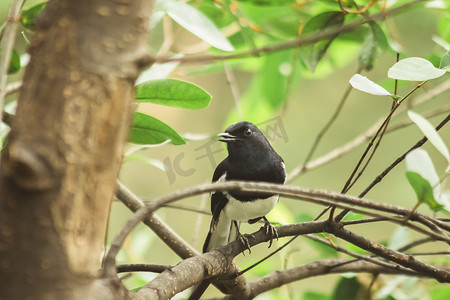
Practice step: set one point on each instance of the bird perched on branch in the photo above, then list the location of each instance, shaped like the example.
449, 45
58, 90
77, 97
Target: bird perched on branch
250, 158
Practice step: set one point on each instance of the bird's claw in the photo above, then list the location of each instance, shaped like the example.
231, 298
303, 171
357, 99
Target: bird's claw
270, 230
244, 240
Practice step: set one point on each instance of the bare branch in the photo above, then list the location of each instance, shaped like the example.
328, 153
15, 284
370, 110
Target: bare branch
356, 255
402, 259
168, 236
317, 268
162, 230
315, 196
142, 268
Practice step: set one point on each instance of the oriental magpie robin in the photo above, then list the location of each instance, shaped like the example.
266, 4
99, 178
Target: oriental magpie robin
250, 158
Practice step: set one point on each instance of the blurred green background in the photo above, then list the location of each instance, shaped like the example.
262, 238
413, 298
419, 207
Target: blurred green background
277, 90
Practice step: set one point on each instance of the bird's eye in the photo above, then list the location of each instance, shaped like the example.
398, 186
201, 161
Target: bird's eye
248, 132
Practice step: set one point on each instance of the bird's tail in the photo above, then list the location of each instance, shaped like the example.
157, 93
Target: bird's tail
221, 232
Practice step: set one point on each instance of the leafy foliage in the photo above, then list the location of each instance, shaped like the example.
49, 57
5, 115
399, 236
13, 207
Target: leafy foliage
194, 21
270, 76
414, 69
148, 130
29, 16
172, 92
373, 46
14, 64
366, 85
422, 176
314, 52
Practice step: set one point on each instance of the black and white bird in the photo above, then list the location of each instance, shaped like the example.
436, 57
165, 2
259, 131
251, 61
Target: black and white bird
250, 158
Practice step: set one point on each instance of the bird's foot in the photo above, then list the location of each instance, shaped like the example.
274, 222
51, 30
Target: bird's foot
244, 240
270, 230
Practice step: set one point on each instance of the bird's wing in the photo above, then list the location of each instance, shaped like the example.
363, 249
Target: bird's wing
221, 225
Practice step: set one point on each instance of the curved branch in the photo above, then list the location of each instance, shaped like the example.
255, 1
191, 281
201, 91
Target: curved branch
288, 191
215, 265
317, 268
162, 230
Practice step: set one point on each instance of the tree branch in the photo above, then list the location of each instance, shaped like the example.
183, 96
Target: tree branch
317, 268
402, 259
215, 264
360, 139
305, 194
161, 229
142, 268
295, 43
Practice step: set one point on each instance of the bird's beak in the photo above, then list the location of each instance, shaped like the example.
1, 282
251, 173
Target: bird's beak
226, 137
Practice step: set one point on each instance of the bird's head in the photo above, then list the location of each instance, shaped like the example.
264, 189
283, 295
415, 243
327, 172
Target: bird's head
242, 137
240, 131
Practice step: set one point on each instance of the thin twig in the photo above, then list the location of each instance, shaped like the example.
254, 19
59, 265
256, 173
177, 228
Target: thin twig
401, 158
268, 256
317, 268
330, 122
355, 255
415, 243
338, 152
231, 80
142, 268
395, 163
402, 259
379, 132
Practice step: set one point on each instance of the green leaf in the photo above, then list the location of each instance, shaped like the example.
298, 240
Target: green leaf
423, 178
313, 53
366, 85
196, 22
414, 69
423, 190
148, 130
431, 133
29, 16
374, 45
347, 288
445, 62
14, 62
172, 92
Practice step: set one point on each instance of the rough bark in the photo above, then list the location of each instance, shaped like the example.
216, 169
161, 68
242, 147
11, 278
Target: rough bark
64, 151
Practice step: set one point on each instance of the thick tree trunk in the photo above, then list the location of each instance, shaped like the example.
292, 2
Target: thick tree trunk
63, 154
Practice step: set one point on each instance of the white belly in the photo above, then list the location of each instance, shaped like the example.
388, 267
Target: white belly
244, 211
